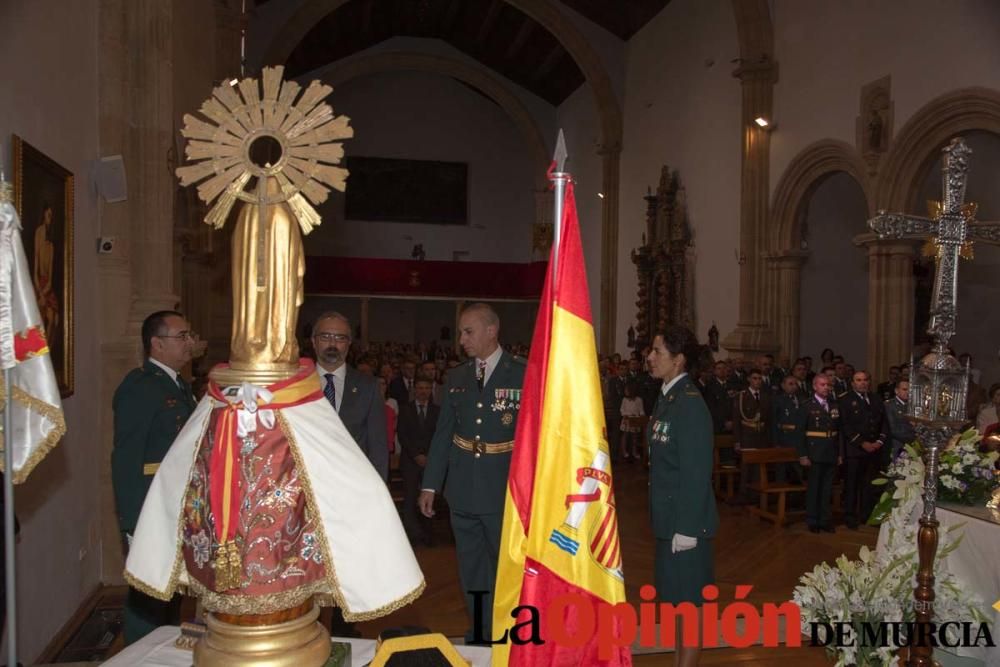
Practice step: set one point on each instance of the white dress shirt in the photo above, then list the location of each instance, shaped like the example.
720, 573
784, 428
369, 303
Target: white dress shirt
171, 373
339, 376
491, 363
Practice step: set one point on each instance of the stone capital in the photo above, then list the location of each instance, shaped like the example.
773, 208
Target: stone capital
877, 246
764, 70
786, 258
749, 340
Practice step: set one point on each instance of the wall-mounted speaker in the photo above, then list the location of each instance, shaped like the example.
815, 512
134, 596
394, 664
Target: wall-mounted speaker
111, 182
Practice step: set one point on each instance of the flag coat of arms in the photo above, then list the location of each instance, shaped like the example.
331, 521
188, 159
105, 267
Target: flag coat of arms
36, 409
560, 532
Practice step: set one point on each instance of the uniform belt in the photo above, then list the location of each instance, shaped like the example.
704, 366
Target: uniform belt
787, 427
756, 426
478, 447
820, 434
149, 469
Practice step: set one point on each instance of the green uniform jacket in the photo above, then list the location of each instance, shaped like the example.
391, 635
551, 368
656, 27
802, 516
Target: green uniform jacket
786, 421
680, 438
821, 440
475, 484
150, 410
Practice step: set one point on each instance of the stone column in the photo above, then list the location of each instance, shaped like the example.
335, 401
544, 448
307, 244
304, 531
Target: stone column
890, 301
610, 160
752, 334
782, 304
135, 100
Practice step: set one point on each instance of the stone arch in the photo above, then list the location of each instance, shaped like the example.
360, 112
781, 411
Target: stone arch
801, 178
783, 273
930, 128
351, 68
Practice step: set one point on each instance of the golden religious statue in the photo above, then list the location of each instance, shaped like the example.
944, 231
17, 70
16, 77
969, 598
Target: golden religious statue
267, 152
264, 507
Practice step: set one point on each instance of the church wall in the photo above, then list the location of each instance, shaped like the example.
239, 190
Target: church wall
581, 126
834, 307
682, 109
978, 279
431, 117
827, 51
51, 87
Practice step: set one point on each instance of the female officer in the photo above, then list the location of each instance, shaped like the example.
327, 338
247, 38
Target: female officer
682, 503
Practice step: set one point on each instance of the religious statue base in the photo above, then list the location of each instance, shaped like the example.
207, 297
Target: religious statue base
232, 375
299, 642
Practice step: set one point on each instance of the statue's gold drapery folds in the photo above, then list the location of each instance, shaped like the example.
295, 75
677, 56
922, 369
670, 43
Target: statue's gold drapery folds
267, 271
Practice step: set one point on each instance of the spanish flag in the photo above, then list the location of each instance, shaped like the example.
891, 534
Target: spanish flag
560, 533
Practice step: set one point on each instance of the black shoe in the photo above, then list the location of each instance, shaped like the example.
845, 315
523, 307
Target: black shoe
829, 529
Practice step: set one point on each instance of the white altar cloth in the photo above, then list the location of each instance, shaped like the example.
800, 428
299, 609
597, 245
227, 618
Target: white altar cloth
157, 650
975, 562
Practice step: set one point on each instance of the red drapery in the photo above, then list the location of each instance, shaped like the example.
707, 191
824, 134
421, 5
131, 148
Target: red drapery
399, 277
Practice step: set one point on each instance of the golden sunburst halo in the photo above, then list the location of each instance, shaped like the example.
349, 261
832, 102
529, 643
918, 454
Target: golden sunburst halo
305, 130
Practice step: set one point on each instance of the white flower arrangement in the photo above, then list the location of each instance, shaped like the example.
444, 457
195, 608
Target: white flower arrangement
878, 587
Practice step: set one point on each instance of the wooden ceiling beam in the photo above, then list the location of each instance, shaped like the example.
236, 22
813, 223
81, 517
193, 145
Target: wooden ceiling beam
527, 25
554, 55
489, 21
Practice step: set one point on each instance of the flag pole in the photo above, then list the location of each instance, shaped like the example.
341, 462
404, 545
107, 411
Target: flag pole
559, 178
8, 520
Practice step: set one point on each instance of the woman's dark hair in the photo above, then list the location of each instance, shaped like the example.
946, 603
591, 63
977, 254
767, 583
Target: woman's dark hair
680, 340
823, 355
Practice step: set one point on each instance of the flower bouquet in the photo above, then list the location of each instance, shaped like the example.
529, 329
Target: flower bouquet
965, 475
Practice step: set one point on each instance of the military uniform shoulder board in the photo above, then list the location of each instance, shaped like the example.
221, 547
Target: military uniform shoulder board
691, 390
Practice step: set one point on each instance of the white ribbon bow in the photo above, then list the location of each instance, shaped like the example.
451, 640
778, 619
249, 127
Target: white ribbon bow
246, 418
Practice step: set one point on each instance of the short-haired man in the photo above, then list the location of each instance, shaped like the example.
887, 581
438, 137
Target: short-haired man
417, 422
821, 451
751, 425
353, 395
887, 389
472, 445
151, 405
897, 426
401, 388
862, 419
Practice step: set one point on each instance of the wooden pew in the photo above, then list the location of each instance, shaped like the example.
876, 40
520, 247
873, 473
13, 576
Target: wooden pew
761, 458
724, 472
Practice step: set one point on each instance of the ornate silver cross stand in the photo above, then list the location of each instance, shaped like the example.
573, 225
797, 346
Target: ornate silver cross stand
939, 385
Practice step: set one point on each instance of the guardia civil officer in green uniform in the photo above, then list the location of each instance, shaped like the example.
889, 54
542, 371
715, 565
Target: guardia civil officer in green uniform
472, 447
151, 406
681, 499
821, 451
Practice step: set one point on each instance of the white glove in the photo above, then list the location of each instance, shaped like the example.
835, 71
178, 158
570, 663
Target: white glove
683, 543
128, 538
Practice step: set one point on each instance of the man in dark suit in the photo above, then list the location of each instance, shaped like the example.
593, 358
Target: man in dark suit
862, 419
803, 382
401, 388
786, 427
887, 390
150, 407
751, 417
472, 445
354, 396
719, 400
897, 426
417, 421
770, 374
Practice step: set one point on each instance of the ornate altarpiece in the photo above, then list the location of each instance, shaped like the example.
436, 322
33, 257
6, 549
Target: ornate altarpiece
665, 262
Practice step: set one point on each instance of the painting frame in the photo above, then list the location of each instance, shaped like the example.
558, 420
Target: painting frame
44, 196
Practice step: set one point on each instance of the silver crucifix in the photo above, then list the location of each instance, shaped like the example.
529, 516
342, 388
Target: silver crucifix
951, 228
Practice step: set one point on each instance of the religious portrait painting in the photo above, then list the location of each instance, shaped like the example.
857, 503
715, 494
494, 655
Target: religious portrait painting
43, 195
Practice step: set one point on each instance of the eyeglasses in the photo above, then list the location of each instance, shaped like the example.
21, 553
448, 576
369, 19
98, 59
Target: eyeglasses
184, 336
332, 338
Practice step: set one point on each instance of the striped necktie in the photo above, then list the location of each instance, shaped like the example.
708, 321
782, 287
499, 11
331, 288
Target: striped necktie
330, 390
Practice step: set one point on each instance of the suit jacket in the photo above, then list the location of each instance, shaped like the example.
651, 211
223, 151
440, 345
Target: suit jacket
363, 412
397, 389
150, 409
751, 419
786, 420
476, 483
681, 499
720, 405
862, 421
897, 426
415, 435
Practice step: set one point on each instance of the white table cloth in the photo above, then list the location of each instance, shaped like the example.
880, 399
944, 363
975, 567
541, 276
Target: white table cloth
157, 650
976, 562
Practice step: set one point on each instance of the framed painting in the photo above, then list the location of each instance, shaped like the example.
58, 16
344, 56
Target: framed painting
43, 196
